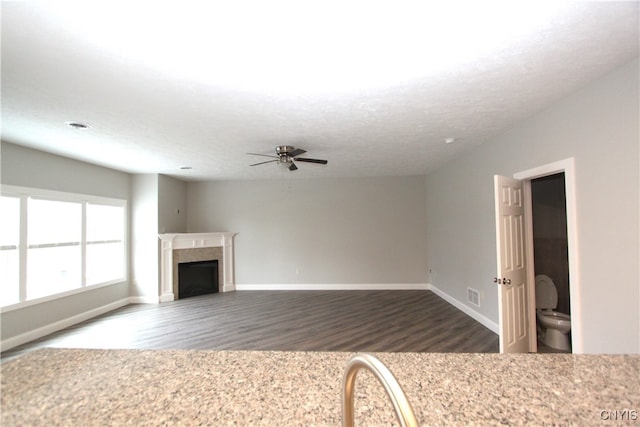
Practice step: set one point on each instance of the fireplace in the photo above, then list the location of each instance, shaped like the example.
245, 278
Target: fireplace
197, 278
188, 248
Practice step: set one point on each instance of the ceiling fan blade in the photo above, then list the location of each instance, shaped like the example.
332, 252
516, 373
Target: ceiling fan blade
302, 159
296, 152
264, 155
293, 167
262, 163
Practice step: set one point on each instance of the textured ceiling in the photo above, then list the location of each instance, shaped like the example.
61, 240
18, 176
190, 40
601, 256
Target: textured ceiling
375, 88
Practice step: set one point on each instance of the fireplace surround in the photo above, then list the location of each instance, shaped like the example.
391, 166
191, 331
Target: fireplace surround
178, 248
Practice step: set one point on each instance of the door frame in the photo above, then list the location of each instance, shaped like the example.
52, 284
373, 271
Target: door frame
568, 167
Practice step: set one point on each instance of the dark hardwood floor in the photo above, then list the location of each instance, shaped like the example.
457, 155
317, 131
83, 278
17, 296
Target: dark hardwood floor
372, 321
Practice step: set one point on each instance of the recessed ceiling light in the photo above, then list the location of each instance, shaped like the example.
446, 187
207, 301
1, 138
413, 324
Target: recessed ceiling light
78, 125
450, 140
186, 168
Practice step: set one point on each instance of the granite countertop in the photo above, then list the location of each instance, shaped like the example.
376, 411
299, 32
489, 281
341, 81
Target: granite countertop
190, 387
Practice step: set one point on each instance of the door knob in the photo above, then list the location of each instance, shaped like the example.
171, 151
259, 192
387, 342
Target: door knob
506, 281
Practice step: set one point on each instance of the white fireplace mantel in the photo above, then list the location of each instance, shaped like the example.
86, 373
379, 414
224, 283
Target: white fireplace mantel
172, 241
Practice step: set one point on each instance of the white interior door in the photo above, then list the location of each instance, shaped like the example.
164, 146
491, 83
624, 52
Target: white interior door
512, 266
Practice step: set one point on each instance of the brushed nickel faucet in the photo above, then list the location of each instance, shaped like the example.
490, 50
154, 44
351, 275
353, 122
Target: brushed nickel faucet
404, 412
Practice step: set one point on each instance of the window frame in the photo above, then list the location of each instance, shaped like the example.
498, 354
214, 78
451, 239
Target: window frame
24, 193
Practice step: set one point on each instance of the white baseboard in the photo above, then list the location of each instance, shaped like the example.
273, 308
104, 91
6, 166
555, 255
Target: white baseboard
466, 309
147, 300
332, 287
34, 334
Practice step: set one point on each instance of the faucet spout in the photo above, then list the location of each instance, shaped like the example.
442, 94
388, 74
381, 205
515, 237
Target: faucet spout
404, 412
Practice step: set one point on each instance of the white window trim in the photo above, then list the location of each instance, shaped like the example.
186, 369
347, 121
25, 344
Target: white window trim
37, 193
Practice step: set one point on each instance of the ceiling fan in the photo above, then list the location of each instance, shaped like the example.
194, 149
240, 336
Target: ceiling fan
285, 155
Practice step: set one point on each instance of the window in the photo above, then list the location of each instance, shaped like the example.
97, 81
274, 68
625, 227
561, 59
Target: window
105, 243
9, 241
54, 243
54, 257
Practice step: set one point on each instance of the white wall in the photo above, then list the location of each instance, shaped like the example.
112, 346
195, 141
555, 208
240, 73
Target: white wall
329, 231
144, 238
159, 205
25, 167
599, 127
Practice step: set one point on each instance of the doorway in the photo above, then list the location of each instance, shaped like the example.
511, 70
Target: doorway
550, 246
566, 169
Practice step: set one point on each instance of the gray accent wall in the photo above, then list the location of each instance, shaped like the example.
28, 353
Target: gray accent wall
172, 205
599, 127
36, 169
25, 167
318, 231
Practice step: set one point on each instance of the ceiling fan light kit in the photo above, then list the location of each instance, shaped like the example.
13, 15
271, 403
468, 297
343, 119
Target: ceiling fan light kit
285, 156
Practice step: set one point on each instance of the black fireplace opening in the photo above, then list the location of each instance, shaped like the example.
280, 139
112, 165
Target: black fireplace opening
197, 278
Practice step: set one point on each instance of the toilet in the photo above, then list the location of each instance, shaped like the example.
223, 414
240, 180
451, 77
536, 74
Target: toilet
555, 326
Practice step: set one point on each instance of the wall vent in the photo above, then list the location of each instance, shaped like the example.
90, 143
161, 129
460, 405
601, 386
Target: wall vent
473, 297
